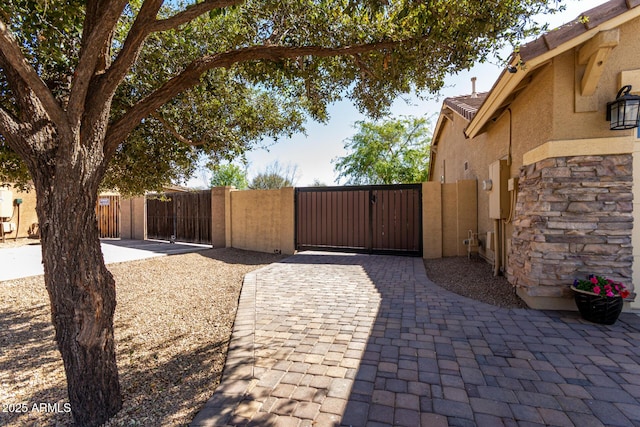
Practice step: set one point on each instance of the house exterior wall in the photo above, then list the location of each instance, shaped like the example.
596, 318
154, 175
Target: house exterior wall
520, 125
25, 218
558, 142
573, 218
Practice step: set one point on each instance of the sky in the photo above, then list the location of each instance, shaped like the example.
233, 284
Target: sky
312, 153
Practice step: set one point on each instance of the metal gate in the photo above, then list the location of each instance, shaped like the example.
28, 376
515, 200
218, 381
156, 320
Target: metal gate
108, 215
181, 217
379, 218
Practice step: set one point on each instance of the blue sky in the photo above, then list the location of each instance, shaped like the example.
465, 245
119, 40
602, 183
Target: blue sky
312, 153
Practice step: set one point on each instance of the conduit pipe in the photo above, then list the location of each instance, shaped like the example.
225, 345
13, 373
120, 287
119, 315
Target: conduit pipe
497, 249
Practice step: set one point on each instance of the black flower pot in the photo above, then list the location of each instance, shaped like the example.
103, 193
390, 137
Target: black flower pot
596, 308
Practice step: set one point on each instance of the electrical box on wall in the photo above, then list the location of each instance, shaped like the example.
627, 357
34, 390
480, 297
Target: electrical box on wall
6, 203
499, 194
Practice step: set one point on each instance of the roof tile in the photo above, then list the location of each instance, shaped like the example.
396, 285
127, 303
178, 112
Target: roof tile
466, 105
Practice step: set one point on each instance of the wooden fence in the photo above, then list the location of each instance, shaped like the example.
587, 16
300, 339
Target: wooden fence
108, 213
182, 217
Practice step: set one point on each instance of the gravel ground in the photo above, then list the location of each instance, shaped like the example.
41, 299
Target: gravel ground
473, 278
172, 325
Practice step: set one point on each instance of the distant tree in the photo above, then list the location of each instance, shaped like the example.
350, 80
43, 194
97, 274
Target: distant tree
229, 174
318, 183
394, 151
275, 176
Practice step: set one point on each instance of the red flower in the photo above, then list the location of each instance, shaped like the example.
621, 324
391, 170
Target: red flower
594, 280
625, 293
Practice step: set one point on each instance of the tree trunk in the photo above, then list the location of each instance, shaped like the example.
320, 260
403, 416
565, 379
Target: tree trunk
81, 290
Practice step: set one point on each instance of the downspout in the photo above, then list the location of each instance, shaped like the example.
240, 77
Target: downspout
499, 226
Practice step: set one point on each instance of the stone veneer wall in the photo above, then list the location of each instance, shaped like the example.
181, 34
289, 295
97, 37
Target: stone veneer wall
573, 218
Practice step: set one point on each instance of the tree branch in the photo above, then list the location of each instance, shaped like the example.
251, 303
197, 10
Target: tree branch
15, 60
99, 24
8, 125
10, 130
174, 132
190, 77
138, 33
192, 12
145, 24
363, 67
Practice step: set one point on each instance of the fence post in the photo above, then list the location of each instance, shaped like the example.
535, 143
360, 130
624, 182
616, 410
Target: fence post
228, 217
287, 220
432, 220
219, 217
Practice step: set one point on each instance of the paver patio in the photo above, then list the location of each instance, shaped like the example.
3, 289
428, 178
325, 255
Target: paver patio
367, 340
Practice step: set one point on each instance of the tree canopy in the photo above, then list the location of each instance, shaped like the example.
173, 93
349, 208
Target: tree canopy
393, 151
275, 176
229, 174
218, 77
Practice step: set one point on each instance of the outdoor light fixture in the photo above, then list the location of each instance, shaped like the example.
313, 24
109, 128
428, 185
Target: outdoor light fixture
623, 113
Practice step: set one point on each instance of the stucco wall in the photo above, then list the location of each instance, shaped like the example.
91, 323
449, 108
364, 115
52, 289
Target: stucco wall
449, 212
26, 215
550, 119
218, 216
262, 220
572, 118
133, 218
517, 131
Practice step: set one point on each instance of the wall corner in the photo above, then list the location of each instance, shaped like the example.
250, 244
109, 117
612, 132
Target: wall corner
287, 220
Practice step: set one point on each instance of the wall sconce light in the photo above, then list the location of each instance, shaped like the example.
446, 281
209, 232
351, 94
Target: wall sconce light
623, 113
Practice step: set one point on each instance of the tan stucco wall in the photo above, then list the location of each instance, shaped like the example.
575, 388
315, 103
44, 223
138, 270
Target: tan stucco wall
218, 216
261, 220
133, 218
635, 236
26, 215
449, 212
570, 124
523, 121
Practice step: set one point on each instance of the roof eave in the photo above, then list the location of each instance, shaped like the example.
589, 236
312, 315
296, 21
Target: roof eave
507, 81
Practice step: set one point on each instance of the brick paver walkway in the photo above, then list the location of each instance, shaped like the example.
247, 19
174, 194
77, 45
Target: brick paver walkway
343, 339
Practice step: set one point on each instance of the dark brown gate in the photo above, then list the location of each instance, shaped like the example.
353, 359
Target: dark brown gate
380, 219
108, 215
182, 217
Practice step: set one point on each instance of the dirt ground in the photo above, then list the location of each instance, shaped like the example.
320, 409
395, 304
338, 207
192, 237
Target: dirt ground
172, 324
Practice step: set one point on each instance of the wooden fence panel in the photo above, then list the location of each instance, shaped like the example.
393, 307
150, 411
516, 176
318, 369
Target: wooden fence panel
160, 217
108, 215
185, 217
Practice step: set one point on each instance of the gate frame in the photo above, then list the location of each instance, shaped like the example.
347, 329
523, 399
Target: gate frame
369, 189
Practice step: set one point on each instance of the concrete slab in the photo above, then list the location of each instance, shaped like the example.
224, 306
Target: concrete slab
26, 261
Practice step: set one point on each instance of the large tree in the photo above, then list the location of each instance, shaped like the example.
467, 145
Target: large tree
110, 90
392, 151
275, 176
228, 174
